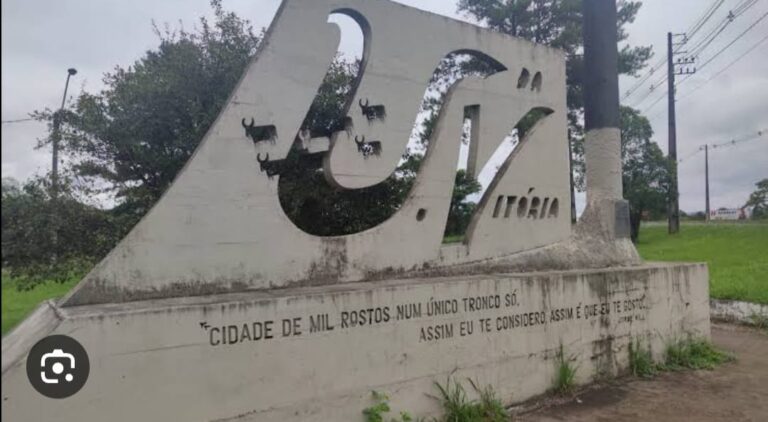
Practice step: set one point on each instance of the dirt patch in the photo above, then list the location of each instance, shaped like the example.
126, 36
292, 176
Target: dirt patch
736, 391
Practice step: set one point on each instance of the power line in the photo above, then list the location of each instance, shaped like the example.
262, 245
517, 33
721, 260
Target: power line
711, 36
711, 78
734, 40
738, 10
691, 31
732, 15
651, 90
733, 142
715, 31
701, 45
664, 95
727, 144
689, 156
659, 82
17, 120
738, 37
685, 78
707, 15
720, 72
642, 81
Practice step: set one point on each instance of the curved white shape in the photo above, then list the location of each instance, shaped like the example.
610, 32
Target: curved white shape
220, 226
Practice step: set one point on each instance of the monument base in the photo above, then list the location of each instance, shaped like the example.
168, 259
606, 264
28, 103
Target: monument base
317, 353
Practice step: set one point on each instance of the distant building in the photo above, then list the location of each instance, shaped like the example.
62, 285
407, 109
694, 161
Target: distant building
742, 213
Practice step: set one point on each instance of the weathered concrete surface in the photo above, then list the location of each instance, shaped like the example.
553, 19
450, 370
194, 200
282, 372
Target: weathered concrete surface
220, 227
169, 359
738, 311
602, 150
606, 214
44, 319
578, 251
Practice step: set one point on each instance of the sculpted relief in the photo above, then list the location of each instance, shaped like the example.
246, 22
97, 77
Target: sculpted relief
221, 227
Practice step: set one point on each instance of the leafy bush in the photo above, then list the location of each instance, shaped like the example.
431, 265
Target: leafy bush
459, 408
640, 361
565, 377
376, 412
48, 237
694, 354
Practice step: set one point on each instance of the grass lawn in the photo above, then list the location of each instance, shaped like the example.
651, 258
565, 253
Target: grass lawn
16, 304
453, 239
737, 254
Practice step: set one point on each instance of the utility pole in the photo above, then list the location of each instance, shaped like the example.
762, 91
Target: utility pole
673, 206
606, 209
673, 202
570, 172
706, 177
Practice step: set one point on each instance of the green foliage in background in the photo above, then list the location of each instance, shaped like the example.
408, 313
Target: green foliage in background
30, 216
759, 200
133, 137
559, 23
646, 173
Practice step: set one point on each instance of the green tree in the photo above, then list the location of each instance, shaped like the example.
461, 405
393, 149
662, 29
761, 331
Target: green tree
461, 209
646, 172
133, 137
759, 200
85, 233
558, 23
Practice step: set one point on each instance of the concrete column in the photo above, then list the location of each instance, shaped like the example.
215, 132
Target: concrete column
605, 206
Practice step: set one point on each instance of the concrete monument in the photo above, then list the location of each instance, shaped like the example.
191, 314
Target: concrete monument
217, 307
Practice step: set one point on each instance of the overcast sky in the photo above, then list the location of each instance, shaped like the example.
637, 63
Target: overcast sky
41, 39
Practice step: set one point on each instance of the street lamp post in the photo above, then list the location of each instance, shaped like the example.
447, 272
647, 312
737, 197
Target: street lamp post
55, 166
57, 134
